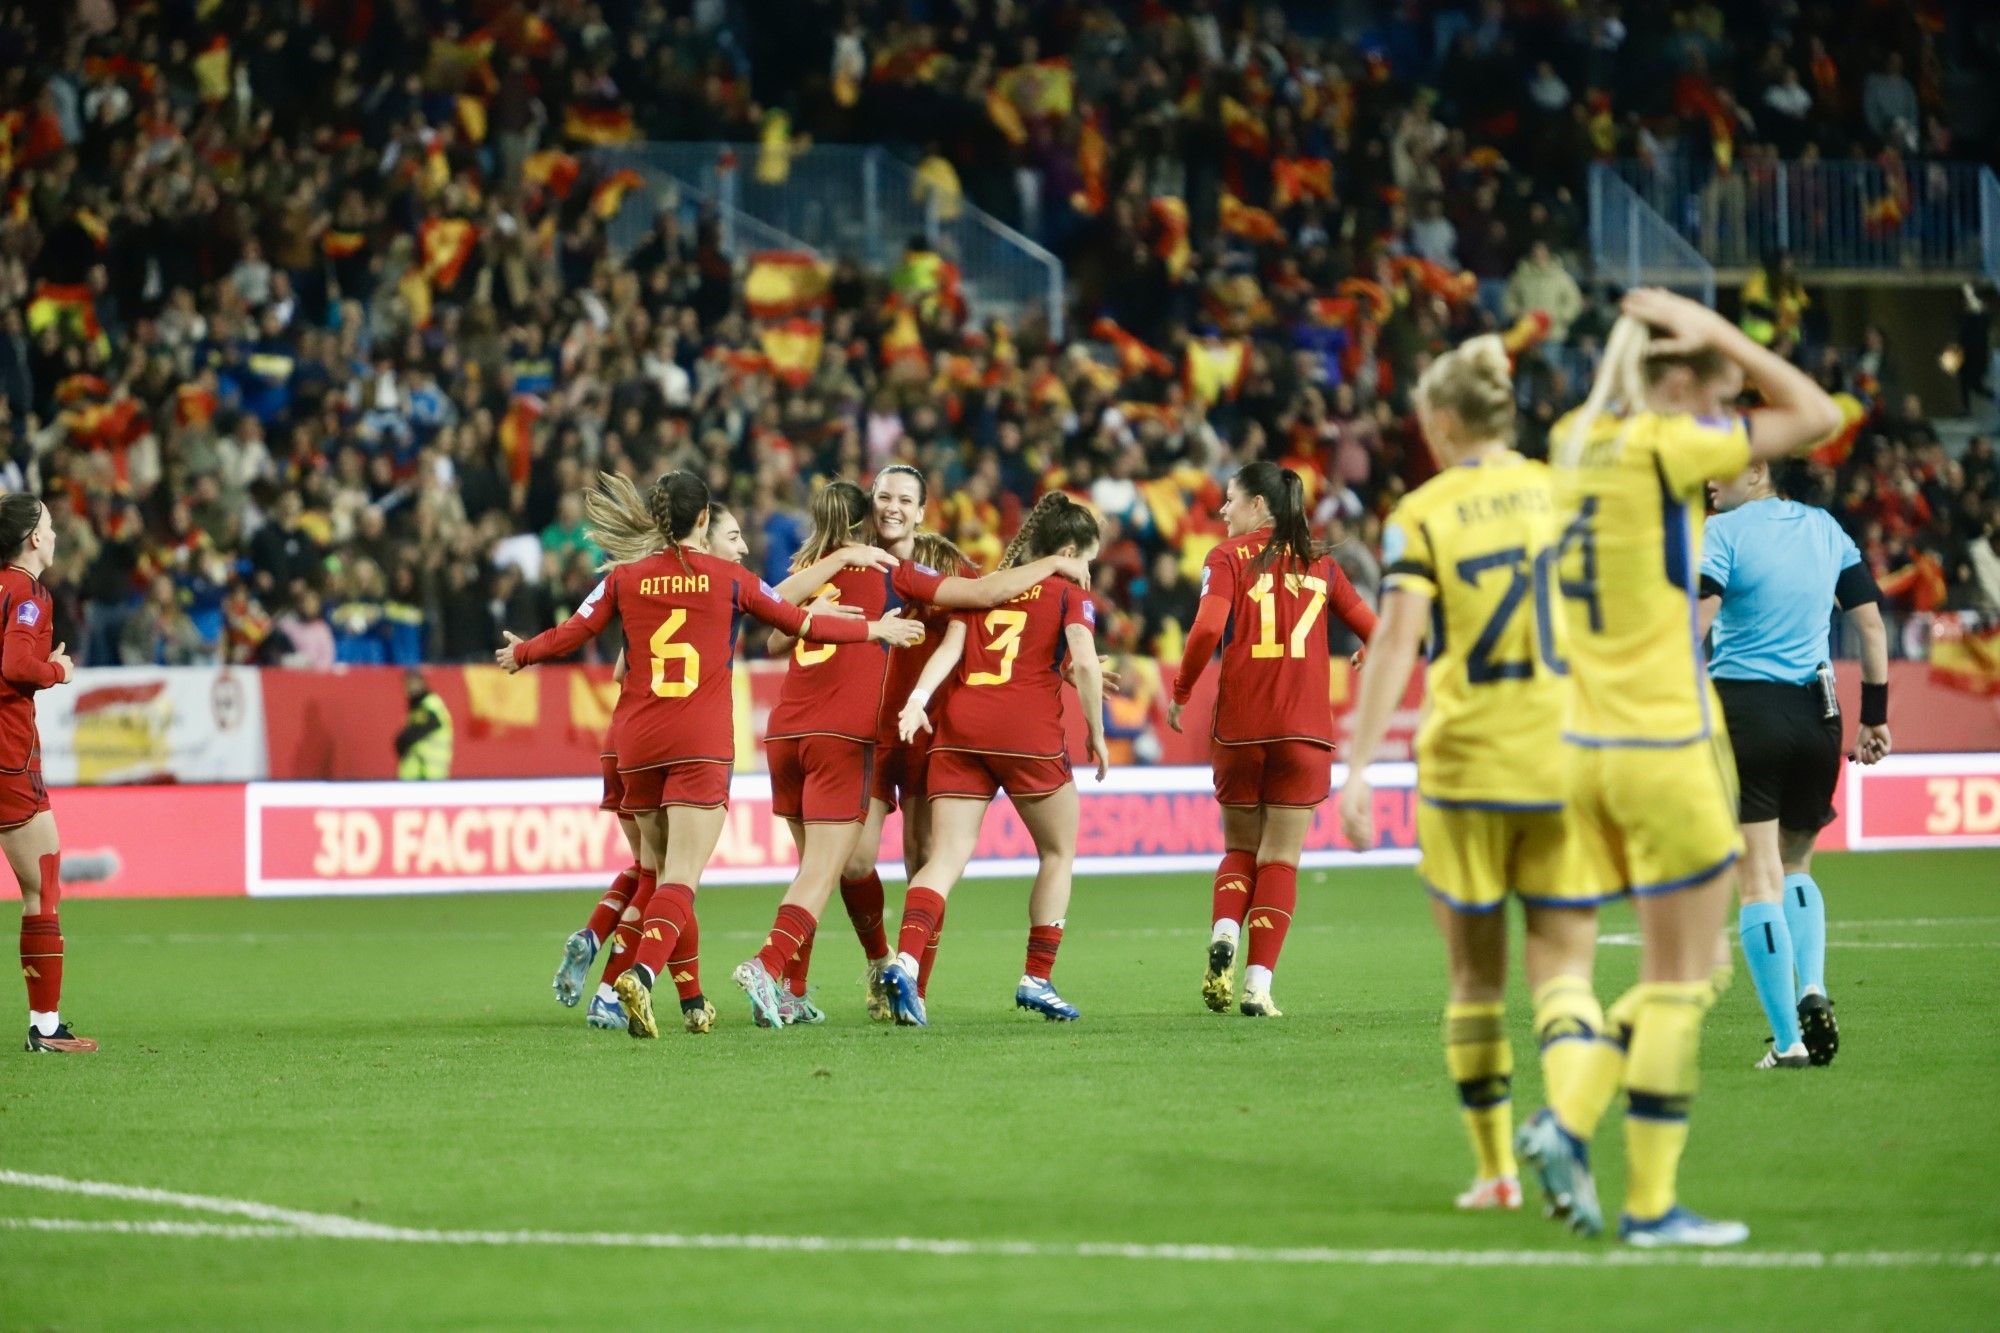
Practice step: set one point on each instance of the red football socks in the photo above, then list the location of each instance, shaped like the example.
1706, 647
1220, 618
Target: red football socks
923, 912
604, 917
625, 935
789, 932
660, 930
42, 961
1231, 899
1043, 941
685, 965
863, 899
1271, 912
929, 955
795, 971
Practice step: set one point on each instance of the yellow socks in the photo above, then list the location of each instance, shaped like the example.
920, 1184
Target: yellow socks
1661, 1076
1582, 1065
1482, 1065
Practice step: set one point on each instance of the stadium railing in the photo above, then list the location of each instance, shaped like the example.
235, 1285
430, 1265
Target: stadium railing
840, 199
1849, 217
1631, 244
739, 233
1989, 224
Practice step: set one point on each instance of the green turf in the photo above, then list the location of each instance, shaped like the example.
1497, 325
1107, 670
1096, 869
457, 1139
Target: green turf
402, 1061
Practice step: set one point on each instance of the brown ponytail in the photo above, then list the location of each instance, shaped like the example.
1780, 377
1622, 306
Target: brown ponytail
838, 512
1285, 496
1056, 521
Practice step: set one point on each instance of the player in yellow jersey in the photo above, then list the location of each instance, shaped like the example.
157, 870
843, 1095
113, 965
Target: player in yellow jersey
1653, 800
1470, 556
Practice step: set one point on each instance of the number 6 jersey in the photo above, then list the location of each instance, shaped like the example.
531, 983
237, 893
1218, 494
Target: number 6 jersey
1479, 541
1008, 696
1277, 674
679, 610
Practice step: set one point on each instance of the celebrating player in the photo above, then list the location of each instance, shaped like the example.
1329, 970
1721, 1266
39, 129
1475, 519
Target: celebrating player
27, 827
821, 736
1652, 798
1468, 556
1771, 570
675, 743
1002, 729
1263, 591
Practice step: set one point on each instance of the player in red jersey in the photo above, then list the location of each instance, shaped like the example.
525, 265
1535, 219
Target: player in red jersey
27, 826
1002, 729
674, 735
821, 736
615, 919
1263, 593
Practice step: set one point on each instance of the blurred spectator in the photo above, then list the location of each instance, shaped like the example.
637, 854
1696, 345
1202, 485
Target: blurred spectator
1540, 284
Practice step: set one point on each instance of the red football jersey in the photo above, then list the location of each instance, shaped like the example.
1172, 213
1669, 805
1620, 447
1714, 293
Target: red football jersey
1008, 698
679, 610
907, 664
837, 691
1276, 672
24, 663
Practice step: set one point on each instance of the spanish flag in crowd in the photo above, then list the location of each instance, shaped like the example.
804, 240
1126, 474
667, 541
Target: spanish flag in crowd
553, 170
342, 242
903, 341
1170, 235
1244, 128
1455, 287
782, 283
67, 307
793, 349
1834, 451
1216, 368
774, 148
1045, 88
212, 71
1134, 356
1296, 178
1964, 653
1528, 331
472, 117
603, 126
1006, 117
1255, 225
517, 434
447, 244
609, 196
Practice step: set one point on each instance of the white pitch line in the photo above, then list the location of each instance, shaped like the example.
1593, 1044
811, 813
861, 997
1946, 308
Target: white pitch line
302, 1225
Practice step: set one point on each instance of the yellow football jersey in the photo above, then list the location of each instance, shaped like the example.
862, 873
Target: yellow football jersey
1479, 541
1632, 504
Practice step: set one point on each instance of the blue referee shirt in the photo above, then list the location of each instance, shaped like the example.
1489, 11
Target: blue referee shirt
1777, 562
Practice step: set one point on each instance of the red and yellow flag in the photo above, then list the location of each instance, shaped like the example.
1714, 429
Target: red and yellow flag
517, 434
609, 196
1216, 368
1244, 128
1045, 88
1170, 235
552, 170
603, 126
1134, 356
1252, 224
447, 244
793, 349
1296, 178
1092, 154
1964, 654
783, 283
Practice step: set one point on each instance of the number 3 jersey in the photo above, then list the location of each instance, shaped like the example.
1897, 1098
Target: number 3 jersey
679, 611
1277, 675
1008, 697
1479, 540
831, 690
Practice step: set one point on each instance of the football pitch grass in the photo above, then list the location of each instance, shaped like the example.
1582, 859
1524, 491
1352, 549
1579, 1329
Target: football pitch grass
372, 1114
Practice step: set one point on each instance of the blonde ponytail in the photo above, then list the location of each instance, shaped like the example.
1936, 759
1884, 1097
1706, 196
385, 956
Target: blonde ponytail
1621, 379
1475, 383
620, 521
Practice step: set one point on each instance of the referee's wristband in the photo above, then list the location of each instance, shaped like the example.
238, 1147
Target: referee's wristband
1874, 704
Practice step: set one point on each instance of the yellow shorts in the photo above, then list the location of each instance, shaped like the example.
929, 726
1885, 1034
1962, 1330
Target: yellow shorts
1473, 857
1652, 821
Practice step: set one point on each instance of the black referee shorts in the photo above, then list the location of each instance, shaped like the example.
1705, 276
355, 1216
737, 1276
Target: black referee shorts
1787, 752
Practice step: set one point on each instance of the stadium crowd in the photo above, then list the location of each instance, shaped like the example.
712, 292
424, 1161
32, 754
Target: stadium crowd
311, 325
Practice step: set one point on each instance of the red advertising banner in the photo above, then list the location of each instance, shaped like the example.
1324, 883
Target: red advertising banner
1924, 801
151, 842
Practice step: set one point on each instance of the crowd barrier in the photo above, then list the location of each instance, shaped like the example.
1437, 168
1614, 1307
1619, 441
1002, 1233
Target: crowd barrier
269, 839
210, 724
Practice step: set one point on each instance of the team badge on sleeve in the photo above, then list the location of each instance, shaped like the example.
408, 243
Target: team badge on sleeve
769, 591
1090, 613
1394, 542
29, 614
1204, 580
596, 595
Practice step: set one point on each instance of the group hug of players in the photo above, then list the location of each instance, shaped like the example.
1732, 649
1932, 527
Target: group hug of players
1573, 750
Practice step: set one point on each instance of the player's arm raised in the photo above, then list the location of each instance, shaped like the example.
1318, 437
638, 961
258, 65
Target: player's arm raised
802, 624
944, 661
1392, 655
800, 586
1796, 414
1088, 677
588, 621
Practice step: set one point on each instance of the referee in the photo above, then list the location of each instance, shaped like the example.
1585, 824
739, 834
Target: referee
1772, 571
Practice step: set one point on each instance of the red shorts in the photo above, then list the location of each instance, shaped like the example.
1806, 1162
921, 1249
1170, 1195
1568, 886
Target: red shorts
614, 784
22, 797
979, 774
698, 782
1294, 773
820, 779
901, 771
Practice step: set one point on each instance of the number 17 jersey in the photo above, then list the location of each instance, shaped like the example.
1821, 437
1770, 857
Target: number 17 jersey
1478, 540
1276, 681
